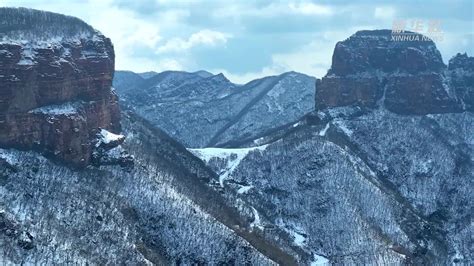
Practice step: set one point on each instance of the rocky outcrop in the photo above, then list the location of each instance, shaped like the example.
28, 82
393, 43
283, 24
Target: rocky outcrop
55, 84
371, 69
461, 71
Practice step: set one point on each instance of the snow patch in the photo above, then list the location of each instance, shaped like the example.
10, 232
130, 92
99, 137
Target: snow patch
9, 157
244, 189
27, 57
106, 137
294, 230
344, 128
233, 157
321, 115
87, 54
259, 141
319, 260
324, 130
25, 62
61, 109
256, 222
299, 239
47, 39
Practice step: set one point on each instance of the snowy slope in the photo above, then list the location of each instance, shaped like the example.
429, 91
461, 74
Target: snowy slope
359, 188
233, 157
152, 213
200, 109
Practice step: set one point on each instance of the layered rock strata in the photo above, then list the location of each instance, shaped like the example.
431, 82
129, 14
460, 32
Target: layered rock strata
55, 84
370, 69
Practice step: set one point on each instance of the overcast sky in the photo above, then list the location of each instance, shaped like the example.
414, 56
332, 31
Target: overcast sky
250, 39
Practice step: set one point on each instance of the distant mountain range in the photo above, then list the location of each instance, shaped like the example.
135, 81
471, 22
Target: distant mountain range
201, 109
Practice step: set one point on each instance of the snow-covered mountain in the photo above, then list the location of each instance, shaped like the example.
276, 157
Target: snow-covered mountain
201, 109
73, 192
375, 167
358, 183
155, 212
360, 188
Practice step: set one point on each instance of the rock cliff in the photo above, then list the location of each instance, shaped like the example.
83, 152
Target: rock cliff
370, 69
461, 71
55, 84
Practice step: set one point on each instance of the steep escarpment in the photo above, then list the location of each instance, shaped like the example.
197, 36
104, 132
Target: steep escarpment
55, 84
371, 69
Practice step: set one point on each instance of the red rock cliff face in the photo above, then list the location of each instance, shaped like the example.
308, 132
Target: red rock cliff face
371, 70
55, 85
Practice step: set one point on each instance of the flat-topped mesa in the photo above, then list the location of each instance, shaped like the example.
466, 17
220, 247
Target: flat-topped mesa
371, 69
55, 84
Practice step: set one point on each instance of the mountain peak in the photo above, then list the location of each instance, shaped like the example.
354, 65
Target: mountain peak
203, 73
148, 74
371, 69
293, 74
461, 73
220, 78
376, 50
462, 61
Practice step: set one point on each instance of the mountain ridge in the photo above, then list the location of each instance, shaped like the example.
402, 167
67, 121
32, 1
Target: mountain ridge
218, 102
